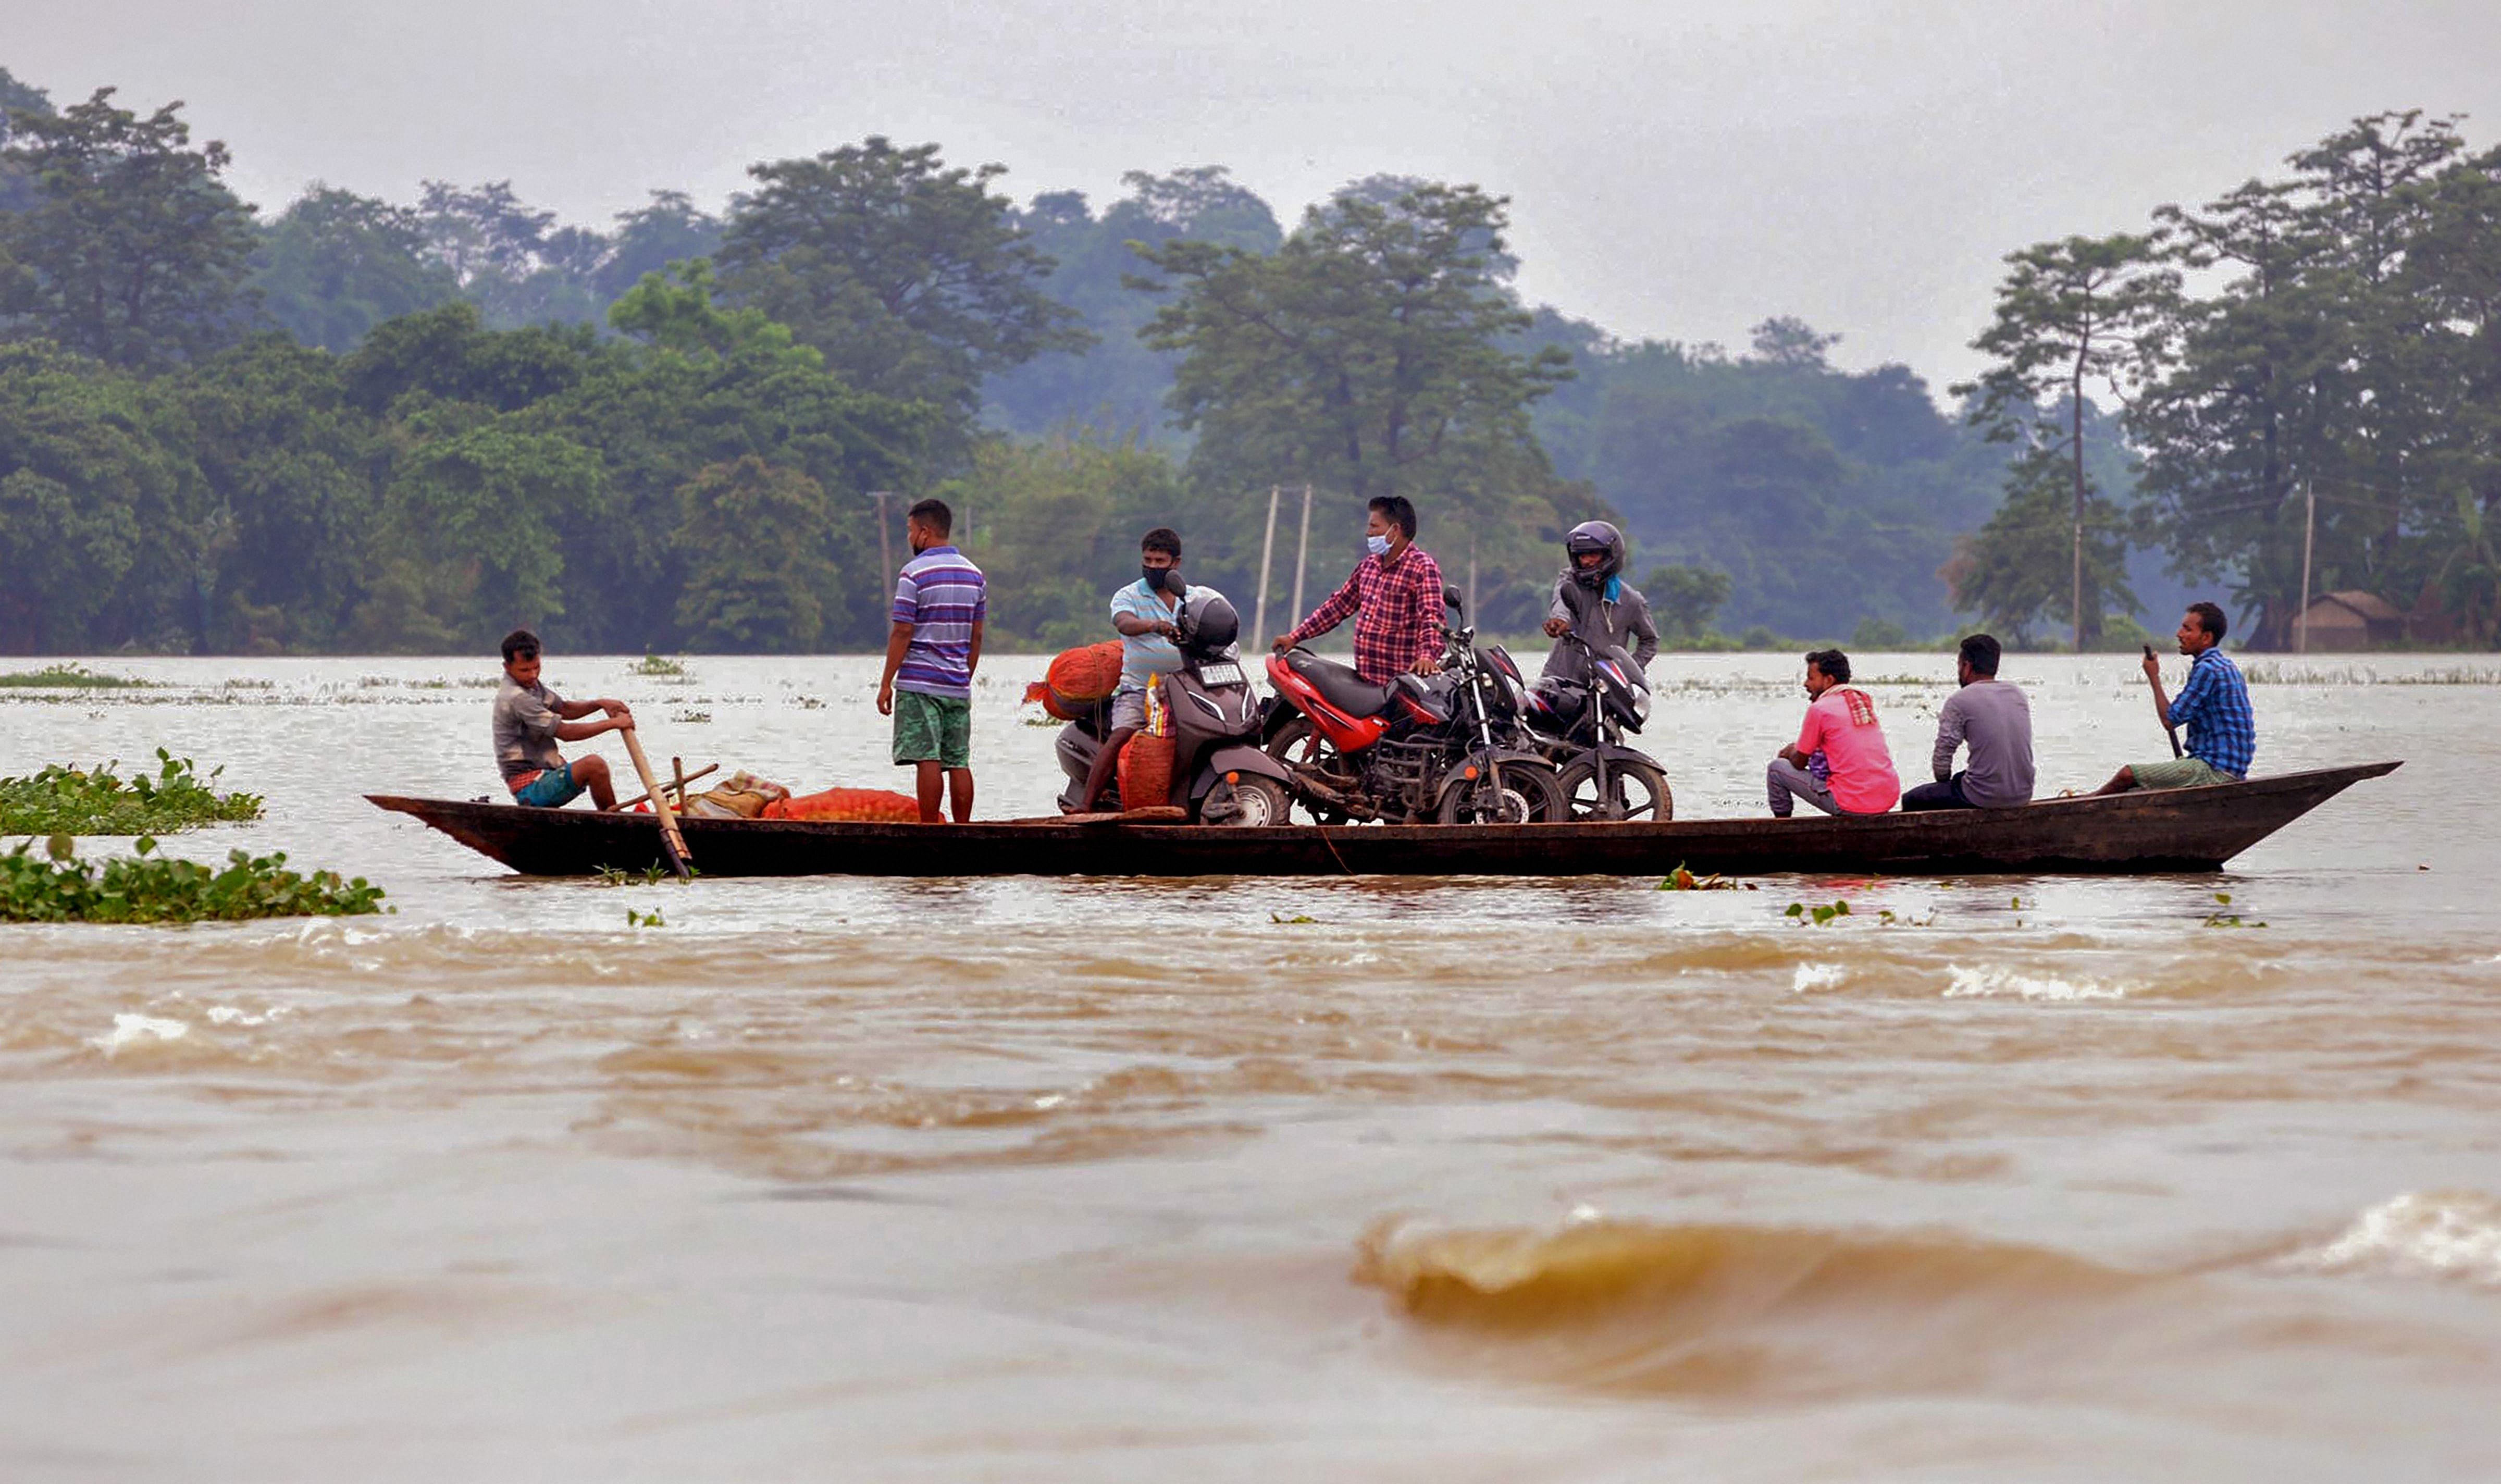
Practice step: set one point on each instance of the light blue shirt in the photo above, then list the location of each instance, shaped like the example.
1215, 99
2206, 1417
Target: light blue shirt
1143, 655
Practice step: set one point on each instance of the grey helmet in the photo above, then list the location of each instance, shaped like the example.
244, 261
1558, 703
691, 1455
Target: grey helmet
1595, 536
1209, 624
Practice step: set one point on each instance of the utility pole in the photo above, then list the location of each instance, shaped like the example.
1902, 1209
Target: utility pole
1302, 553
884, 539
2309, 529
1267, 554
1472, 577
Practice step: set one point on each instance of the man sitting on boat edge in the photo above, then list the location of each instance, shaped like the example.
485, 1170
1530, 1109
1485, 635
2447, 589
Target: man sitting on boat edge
2213, 704
1840, 764
1994, 719
530, 719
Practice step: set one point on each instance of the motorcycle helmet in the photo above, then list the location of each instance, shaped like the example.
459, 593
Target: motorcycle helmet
1209, 622
1600, 537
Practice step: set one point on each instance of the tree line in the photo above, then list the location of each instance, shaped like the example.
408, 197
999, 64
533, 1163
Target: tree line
356, 426
2308, 376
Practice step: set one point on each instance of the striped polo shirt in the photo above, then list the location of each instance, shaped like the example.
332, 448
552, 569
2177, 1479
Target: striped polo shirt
942, 595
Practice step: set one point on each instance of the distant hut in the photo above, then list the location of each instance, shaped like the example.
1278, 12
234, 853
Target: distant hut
2353, 620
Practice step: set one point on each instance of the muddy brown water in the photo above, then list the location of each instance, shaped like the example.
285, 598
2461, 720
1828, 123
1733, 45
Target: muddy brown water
1243, 1179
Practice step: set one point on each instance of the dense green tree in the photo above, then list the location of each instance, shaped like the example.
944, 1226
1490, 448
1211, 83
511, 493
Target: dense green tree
132, 251
335, 264
2069, 313
16, 187
909, 274
1684, 599
756, 568
670, 230
2014, 572
1118, 382
1369, 355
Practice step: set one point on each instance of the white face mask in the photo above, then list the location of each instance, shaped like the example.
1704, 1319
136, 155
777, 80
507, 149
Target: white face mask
1378, 545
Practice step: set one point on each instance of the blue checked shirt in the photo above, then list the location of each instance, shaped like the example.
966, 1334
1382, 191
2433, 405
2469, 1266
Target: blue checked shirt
2214, 704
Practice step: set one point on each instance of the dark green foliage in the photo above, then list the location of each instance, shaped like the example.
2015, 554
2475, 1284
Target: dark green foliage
335, 264
907, 274
98, 802
757, 574
149, 888
67, 677
130, 250
1684, 599
1823, 497
1119, 383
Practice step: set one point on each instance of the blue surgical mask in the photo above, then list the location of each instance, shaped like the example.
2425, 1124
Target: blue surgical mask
1378, 545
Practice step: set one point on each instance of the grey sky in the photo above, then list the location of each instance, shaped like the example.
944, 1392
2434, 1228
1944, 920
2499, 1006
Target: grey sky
1676, 170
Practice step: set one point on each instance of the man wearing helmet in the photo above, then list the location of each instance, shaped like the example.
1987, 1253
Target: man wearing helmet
1146, 614
1593, 601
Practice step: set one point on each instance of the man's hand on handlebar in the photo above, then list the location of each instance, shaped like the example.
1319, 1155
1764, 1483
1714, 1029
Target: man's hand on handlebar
1556, 628
1428, 665
1283, 643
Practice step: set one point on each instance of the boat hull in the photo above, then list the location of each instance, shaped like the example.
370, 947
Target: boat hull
2180, 829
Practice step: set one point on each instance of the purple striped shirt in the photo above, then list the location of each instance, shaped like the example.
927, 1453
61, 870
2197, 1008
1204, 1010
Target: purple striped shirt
942, 595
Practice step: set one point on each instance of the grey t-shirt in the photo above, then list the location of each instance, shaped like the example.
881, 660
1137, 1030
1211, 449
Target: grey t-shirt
1995, 719
526, 718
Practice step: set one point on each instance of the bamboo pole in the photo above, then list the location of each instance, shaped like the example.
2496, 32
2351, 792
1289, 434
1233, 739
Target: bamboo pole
1267, 554
672, 843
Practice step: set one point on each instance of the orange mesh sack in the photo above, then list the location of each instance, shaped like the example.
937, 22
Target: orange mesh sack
856, 806
1077, 679
1145, 772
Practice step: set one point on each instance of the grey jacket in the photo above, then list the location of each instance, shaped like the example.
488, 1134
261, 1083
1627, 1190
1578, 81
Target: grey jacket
1624, 622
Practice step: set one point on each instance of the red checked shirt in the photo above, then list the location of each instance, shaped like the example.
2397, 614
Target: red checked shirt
1398, 612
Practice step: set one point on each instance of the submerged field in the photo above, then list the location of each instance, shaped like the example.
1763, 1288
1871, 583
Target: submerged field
1987, 1179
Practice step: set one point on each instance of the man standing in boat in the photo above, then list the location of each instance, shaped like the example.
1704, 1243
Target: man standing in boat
530, 719
941, 602
2213, 703
1395, 594
1994, 719
1840, 764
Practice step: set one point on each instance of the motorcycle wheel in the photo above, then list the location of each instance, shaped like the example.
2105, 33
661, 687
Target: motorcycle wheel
1530, 795
1253, 803
1295, 740
1636, 791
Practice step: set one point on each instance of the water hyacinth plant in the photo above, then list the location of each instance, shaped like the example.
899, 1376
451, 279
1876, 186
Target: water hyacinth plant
148, 888
98, 802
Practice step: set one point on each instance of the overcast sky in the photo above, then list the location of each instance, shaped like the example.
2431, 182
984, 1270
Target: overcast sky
1676, 169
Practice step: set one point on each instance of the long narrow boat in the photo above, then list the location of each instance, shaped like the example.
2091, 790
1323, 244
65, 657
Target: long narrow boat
2180, 829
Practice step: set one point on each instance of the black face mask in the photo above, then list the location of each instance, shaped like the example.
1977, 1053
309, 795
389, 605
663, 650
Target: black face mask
1162, 579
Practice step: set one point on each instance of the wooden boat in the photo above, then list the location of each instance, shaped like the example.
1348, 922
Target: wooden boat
2180, 829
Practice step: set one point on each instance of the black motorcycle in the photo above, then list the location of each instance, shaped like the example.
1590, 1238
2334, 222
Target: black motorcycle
1579, 722
1445, 748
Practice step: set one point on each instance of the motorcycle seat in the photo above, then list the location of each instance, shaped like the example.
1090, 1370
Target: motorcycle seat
1337, 684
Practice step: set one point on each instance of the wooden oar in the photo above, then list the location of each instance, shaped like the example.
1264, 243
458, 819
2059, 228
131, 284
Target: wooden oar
671, 842
675, 788
2168, 730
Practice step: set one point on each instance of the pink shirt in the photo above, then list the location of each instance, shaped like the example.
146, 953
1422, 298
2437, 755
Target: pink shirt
1841, 724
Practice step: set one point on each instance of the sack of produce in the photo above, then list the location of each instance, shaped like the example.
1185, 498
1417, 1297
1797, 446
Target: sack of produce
856, 806
742, 795
1077, 679
1146, 771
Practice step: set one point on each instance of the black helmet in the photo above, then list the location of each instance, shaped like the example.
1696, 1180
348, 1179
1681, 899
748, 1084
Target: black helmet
1595, 536
1209, 622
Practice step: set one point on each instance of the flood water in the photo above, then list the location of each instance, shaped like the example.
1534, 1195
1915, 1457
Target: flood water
1361, 1179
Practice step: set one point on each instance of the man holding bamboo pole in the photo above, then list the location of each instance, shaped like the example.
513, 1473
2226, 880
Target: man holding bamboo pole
530, 719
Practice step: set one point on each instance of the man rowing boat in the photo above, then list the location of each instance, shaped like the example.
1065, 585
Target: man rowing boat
530, 719
2213, 704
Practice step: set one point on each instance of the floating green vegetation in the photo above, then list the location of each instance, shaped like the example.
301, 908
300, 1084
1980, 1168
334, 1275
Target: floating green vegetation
658, 667
2224, 920
247, 683
1290, 919
1682, 880
650, 918
61, 800
1821, 915
68, 677
691, 718
647, 876
149, 888
2298, 673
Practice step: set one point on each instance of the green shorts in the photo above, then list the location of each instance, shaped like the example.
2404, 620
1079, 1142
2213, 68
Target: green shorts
2178, 773
932, 729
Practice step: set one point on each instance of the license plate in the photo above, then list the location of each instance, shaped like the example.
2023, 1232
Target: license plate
1220, 674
